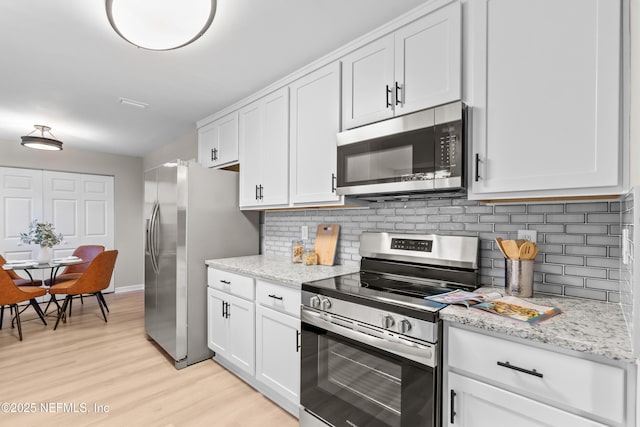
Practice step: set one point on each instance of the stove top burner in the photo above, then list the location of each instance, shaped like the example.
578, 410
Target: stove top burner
403, 294
409, 287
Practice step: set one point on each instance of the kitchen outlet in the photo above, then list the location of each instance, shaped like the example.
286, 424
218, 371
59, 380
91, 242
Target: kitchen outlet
304, 232
530, 235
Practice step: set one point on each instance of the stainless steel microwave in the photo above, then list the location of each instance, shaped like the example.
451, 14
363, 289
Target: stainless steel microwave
416, 153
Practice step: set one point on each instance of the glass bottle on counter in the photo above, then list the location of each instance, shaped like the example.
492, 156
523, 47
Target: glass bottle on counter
297, 251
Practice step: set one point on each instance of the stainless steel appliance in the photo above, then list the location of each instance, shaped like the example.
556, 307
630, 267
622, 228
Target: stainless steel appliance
191, 215
407, 155
370, 351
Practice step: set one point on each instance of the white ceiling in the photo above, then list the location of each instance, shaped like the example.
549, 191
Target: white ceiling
63, 66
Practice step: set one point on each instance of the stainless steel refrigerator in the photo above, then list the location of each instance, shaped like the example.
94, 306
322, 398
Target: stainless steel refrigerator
191, 214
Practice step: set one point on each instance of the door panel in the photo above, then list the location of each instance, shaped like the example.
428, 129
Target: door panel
21, 198
315, 121
278, 359
150, 279
166, 256
80, 206
275, 148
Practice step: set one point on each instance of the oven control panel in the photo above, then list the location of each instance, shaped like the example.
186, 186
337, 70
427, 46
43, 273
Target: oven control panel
412, 244
379, 318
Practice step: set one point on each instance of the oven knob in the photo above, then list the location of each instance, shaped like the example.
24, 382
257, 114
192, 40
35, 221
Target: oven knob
325, 304
404, 326
388, 322
315, 302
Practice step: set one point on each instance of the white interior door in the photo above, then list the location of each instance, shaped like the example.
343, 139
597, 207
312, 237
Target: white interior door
21, 196
81, 208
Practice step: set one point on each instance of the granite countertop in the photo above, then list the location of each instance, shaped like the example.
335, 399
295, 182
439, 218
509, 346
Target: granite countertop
584, 325
279, 269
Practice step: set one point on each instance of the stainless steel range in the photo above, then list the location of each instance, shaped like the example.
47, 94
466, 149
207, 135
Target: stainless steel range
370, 353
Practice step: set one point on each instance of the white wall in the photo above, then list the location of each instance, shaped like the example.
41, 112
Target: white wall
184, 148
128, 195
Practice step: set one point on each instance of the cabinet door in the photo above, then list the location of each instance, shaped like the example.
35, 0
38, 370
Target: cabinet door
207, 144
241, 318
546, 94
217, 328
277, 352
428, 55
227, 140
250, 156
315, 121
275, 148
477, 404
218, 142
367, 84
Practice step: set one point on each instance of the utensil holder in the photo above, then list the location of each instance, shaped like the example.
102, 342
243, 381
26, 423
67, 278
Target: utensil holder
518, 279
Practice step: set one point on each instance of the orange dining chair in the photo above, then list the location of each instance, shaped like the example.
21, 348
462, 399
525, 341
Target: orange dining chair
19, 281
94, 280
11, 295
71, 272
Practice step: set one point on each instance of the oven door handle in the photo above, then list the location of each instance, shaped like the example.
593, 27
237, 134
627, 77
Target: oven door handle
421, 353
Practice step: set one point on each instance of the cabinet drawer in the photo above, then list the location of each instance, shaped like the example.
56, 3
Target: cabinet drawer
278, 297
551, 377
232, 283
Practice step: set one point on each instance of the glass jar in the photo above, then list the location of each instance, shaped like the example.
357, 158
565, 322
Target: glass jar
311, 257
297, 251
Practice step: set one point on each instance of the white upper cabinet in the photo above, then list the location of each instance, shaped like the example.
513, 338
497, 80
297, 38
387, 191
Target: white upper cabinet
218, 142
315, 121
416, 67
264, 152
367, 83
545, 95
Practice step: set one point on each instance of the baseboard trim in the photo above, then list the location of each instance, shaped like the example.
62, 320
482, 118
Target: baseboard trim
131, 288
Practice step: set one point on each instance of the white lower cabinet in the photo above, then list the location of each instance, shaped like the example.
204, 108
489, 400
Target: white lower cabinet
278, 352
231, 329
256, 334
477, 404
491, 378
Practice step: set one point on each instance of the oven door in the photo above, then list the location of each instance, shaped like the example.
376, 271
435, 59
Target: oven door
353, 379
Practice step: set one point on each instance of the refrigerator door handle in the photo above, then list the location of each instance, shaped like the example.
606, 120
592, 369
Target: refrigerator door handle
154, 237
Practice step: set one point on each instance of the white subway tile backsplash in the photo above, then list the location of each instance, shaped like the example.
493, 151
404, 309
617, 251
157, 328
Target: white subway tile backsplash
579, 243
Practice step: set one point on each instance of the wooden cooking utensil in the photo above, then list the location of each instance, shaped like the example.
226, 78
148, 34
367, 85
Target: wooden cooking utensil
527, 251
511, 249
499, 243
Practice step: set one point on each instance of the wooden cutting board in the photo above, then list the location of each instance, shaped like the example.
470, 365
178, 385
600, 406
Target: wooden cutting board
326, 241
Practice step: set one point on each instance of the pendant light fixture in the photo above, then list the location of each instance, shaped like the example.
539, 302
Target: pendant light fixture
41, 142
160, 24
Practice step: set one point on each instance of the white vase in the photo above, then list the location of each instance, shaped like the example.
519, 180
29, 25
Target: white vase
44, 256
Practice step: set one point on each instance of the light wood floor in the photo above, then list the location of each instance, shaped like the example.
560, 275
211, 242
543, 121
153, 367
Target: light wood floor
87, 362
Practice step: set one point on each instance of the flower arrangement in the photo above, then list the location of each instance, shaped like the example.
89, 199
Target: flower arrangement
41, 233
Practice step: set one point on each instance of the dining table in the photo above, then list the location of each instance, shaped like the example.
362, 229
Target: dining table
28, 266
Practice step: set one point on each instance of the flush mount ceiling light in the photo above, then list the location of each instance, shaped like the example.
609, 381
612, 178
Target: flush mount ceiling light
160, 24
41, 142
